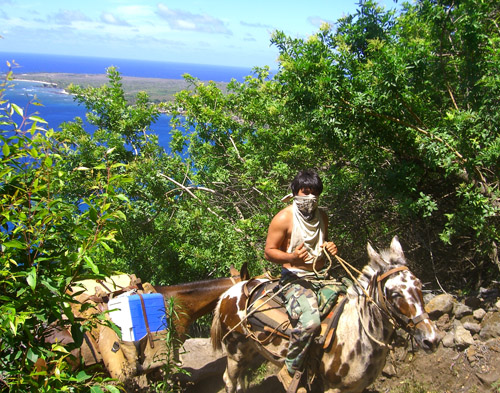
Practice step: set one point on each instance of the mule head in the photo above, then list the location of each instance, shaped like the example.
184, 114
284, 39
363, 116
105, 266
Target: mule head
399, 293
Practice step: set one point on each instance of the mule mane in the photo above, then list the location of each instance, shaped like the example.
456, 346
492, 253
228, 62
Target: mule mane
186, 288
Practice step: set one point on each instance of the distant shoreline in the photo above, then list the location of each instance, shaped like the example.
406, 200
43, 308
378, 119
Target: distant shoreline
35, 81
158, 89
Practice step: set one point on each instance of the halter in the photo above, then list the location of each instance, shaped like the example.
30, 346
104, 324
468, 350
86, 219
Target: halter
395, 317
408, 324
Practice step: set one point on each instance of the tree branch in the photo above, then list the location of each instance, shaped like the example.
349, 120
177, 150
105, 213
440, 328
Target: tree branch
188, 190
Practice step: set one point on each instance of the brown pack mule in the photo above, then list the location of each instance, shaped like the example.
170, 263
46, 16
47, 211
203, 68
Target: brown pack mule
386, 296
126, 360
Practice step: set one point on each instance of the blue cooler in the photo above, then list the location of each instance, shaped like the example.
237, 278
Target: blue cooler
127, 313
155, 311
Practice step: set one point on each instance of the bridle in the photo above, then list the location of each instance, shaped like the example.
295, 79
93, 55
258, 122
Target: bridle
396, 318
402, 321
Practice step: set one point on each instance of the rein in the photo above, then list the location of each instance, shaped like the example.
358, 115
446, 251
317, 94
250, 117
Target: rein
394, 316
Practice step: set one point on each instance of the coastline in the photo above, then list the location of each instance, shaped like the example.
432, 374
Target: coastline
35, 81
158, 89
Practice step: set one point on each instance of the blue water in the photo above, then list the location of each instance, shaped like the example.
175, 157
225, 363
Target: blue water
140, 68
59, 107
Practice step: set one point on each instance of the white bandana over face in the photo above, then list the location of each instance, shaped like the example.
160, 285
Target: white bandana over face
307, 205
308, 226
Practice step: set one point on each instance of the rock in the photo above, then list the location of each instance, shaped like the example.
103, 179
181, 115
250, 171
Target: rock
428, 297
488, 293
448, 340
468, 319
479, 314
461, 310
493, 344
443, 322
200, 360
472, 327
389, 370
471, 354
439, 305
489, 378
463, 338
490, 326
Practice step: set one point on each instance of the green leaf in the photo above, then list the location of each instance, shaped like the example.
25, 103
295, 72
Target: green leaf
31, 356
112, 389
91, 264
31, 278
82, 376
17, 109
6, 149
37, 119
14, 244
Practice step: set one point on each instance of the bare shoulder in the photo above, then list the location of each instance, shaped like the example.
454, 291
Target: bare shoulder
283, 217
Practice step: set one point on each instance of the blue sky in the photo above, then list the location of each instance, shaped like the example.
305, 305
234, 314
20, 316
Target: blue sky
220, 32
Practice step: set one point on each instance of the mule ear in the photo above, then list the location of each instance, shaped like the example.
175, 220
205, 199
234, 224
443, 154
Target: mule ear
396, 249
376, 261
371, 252
244, 275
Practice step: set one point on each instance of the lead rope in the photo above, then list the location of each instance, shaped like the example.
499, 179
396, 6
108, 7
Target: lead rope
346, 267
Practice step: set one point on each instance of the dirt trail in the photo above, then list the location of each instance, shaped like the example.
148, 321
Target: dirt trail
447, 370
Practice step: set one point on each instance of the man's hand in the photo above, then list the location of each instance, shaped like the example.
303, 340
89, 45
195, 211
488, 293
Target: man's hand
330, 247
301, 254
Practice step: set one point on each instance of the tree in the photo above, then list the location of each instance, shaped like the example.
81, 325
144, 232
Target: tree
46, 244
398, 111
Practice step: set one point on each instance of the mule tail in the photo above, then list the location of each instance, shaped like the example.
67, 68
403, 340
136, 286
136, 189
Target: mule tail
216, 329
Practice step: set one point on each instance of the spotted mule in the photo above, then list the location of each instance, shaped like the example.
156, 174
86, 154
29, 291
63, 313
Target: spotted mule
386, 296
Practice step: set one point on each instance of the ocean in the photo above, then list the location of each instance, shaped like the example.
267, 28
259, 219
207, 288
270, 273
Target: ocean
140, 68
58, 107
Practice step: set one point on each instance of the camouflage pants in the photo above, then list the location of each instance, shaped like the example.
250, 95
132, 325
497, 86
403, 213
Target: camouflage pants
301, 300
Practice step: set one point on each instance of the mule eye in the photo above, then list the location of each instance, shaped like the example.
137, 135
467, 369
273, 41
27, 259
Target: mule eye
395, 295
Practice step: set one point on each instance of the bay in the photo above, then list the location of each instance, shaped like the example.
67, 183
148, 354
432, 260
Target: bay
58, 107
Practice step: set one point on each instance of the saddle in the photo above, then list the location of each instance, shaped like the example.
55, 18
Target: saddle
267, 318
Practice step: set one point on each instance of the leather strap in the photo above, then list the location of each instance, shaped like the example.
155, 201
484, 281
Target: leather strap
146, 321
326, 339
388, 273
294, 385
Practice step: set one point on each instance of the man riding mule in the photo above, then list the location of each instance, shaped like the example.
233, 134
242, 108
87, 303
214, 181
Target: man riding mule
297, 239
384, 297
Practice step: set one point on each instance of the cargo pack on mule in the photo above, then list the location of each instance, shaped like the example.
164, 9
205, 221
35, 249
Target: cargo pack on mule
141, 347
140, 314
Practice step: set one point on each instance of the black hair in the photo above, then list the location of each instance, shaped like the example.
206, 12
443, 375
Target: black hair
307, 178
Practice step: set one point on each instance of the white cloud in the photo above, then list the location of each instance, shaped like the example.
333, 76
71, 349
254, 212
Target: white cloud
318, 21
110, 19
256, 25
135, 10
185, 20
67, 17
